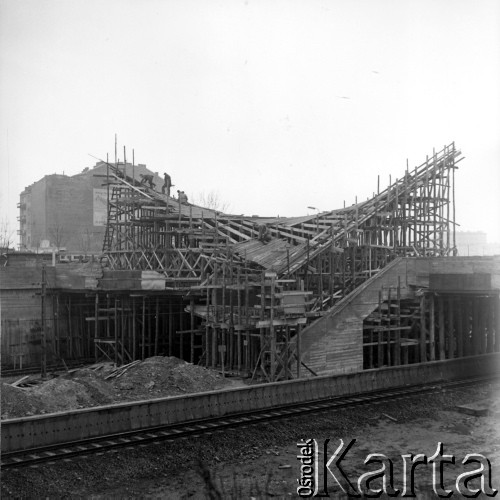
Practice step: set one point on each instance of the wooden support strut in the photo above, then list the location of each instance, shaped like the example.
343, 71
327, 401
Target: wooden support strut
441, 334
423, 331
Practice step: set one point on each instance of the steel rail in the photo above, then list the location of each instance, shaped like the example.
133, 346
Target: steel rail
141, 437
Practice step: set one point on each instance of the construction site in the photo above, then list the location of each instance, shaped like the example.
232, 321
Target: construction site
370, 285
192, 322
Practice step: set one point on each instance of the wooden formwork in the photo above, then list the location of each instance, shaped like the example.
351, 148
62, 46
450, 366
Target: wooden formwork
220, 260
413, 216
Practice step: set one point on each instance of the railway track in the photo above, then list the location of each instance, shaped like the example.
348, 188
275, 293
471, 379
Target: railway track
141, 437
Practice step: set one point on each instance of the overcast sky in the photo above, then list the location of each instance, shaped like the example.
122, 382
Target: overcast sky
277, 105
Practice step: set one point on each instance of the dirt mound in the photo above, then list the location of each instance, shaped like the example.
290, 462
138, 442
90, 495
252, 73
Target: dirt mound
166, 376
104, 384
61, 394
98, 390
80, 389
17, 402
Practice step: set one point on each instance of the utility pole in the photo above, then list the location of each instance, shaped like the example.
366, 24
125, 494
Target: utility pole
44, 336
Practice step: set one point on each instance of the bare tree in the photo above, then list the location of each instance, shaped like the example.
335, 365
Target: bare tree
86, 238
6, 234
210, 199
58, 235
36, 239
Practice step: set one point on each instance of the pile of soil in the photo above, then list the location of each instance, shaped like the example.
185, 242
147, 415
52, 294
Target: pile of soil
154, 377
17, 402
80, 389
166, 376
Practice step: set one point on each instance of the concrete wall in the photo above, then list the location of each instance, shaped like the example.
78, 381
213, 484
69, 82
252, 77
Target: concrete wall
20, 308
334, 343
456, 265
30, 432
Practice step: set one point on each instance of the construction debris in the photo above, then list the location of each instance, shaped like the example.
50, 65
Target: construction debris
103, 384
389, 417
20, 381
118, 372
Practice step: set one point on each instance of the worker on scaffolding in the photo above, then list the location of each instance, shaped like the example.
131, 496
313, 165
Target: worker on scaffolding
264, 235
167, 184
182, 197
147, 178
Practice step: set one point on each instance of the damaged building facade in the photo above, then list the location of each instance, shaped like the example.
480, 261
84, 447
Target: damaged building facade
68, 212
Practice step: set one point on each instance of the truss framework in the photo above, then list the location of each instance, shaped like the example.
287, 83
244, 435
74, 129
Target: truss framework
328, 254
148, 230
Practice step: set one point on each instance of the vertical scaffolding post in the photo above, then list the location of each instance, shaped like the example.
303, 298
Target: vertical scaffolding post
96, 321
423, 332
460, 326
238, 341
380, 352
116, 332
143, 331
466, 327
207, 328
476, 326
453, 204
134, 340
497, 325
299, 353
70, 328
271, 328
44, 327
451, 329
491, 323
432, 340
440, 305
191, 314
389, 327
170, 328
157, 325
397, 351
247, 320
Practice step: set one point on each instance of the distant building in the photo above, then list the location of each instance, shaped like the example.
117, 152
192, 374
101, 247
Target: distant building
69, 212
474, 243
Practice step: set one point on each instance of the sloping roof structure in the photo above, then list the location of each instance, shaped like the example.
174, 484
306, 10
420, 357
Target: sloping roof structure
151, 231
255, 282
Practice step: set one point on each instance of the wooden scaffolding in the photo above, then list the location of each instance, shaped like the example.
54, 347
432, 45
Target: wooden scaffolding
223, 261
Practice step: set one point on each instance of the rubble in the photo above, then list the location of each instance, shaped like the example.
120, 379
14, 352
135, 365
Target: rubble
103, 383
17, 402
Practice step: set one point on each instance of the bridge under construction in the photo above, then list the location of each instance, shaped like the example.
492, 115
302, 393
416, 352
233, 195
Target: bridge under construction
374, 284
254, 287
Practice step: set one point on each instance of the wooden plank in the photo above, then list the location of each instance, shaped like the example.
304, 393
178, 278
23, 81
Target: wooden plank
451, 328
423, 331
20, 381
440, 305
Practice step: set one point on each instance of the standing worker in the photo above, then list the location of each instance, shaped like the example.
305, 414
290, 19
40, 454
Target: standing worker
167, 184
